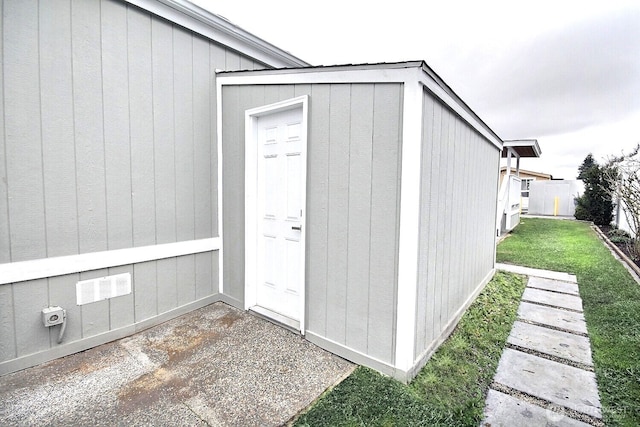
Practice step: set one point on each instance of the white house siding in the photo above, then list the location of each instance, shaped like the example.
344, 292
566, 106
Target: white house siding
352, 208
107, 131
457, 214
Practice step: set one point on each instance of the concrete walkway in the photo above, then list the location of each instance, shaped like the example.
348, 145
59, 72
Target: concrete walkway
216, 366
545, 376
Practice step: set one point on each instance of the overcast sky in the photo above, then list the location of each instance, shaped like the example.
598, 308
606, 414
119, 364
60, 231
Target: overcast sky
564, 72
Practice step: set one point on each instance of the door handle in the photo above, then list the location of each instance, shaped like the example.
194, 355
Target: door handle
299, 227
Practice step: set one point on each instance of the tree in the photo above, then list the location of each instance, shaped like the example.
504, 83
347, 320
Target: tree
596, 203
587, 164
624, 180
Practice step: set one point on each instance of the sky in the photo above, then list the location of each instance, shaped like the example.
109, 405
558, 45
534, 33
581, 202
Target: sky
564, 72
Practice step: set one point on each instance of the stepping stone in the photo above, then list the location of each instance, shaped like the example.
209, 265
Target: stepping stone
503, 410
563, 385
549, 341
569, 320
534, 272
552, 298
553, 285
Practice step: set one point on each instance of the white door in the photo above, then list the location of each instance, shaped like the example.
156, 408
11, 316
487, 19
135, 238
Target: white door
281, 176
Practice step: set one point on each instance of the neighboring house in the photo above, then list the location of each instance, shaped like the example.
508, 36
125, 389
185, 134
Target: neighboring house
513, 190
526, 177
355, 204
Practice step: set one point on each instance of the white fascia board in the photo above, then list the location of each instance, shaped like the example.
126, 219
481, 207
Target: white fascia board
219, 30
408, 240
355, 74
59, 266
323, 75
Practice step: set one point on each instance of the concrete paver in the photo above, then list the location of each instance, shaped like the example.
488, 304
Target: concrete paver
503, 410
552, 342
569, 320
555, 299
552, 381
553, 285
535, 272
544, 376
214, 366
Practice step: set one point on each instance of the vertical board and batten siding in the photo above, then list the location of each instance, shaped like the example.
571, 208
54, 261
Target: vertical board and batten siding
106, 142
458, 199
354, 144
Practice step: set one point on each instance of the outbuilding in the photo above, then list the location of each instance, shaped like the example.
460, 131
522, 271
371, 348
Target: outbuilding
355, 205
358, 206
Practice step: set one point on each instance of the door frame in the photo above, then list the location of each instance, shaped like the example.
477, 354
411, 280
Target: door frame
252, 224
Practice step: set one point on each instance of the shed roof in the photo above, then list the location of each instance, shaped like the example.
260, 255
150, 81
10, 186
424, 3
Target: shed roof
522, 147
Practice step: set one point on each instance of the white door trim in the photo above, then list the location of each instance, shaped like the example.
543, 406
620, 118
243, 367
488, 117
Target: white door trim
251, 197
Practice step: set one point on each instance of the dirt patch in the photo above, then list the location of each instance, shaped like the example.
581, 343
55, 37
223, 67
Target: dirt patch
161, 384
184, 341
617, 238
229, 319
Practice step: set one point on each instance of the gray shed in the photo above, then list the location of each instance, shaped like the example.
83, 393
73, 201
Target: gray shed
354, 204
358, 206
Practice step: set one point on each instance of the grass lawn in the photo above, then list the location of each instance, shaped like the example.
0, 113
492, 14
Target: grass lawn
611, 301
449, 391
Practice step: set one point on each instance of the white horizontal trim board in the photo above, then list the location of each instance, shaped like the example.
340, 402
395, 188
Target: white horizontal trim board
59, 266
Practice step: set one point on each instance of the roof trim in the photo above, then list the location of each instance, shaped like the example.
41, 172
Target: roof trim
219, 30
397, 72
528, 172
431, 73
522, 147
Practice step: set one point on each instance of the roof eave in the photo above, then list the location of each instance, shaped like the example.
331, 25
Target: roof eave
216, 28
522, 147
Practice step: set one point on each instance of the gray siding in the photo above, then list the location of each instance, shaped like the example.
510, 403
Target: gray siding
107, 141
352, 206
457, 215
21, 329
107, 129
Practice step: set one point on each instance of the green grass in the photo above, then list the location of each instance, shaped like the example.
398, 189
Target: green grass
611, 301
449, 391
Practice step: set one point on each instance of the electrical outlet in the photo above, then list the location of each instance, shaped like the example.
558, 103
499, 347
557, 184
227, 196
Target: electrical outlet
52, 316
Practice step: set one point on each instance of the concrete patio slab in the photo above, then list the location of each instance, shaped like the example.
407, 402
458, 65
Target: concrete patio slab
503, 410
214, 366
527, 271
549, 341
555, 299
563, 385
568, 320
553, 285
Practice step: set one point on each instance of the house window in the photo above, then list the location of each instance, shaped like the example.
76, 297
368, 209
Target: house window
525, 184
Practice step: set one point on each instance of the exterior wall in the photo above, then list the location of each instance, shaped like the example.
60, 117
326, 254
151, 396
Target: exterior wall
457, 221
160, 287
107, 123
542, 198
353, 174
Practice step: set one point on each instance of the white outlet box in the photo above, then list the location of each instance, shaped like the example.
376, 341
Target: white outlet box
52, 316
